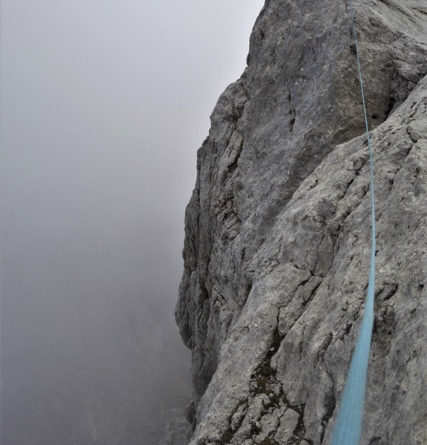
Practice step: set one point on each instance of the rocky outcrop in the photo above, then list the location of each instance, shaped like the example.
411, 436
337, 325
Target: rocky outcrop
277, 230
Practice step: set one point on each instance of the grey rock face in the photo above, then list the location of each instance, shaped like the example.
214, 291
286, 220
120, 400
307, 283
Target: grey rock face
277, 230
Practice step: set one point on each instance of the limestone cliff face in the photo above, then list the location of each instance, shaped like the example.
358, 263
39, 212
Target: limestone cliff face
277, 230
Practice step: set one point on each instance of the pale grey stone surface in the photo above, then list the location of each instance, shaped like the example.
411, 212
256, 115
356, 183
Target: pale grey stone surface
277, 230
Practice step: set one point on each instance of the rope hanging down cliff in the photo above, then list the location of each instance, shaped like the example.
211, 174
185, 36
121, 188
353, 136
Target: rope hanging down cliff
348, 425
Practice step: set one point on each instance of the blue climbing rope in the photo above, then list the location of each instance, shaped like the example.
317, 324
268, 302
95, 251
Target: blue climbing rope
348, 425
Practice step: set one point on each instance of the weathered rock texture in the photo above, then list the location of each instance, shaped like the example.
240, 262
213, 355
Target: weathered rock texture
278, 235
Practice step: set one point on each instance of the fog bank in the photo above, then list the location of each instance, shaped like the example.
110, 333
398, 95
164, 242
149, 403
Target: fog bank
103, 106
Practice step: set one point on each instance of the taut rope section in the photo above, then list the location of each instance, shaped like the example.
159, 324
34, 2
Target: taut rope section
348, 425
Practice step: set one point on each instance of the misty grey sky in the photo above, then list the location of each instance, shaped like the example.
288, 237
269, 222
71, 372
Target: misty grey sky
103, 106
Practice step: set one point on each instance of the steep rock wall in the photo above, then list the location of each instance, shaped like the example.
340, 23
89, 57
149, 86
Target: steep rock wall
277, 234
